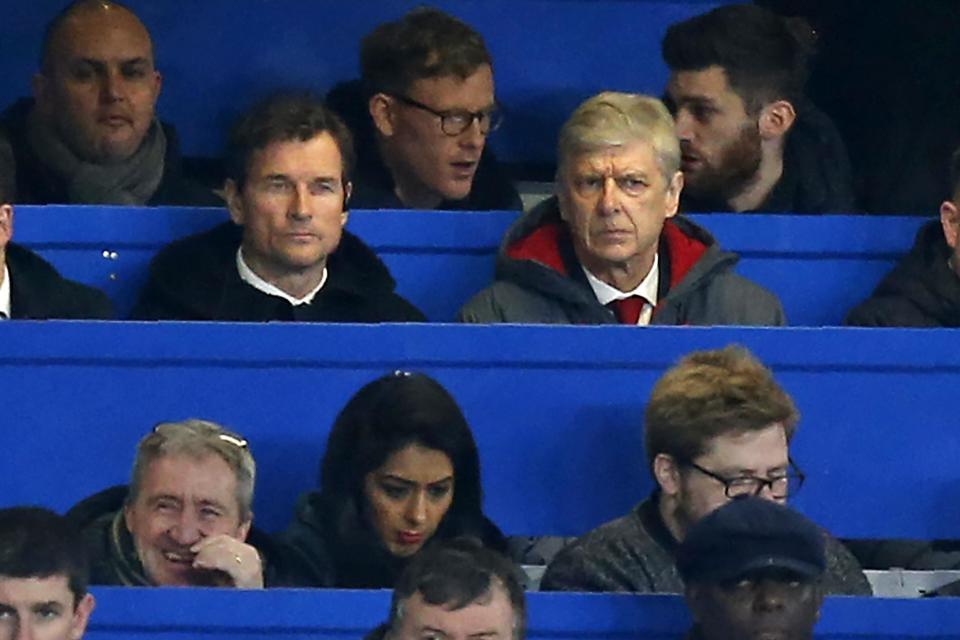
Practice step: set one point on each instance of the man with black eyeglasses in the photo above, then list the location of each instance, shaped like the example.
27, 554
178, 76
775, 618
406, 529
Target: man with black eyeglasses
186, 517
421, 115
717, 427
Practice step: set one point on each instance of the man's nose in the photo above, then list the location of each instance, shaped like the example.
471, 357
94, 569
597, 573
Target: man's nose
23, 630
683, 123
112, 86
186, 530
769, 596
473, 136
300, 202
610, 198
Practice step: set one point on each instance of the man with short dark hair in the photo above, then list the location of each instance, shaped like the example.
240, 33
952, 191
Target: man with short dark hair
717, 427
422, 113
30, 288
923, 290
90, 133
286, 256
457, 590
43, 576
752, 569
749, 139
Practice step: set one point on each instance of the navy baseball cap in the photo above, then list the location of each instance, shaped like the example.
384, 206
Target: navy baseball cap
751, 534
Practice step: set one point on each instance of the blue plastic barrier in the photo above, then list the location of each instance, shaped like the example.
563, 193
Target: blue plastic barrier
548, 55
820, 266
557, 411
148, 614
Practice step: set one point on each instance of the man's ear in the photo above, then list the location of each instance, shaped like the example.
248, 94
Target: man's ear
6, 224
776, 119
81, 616
347, 191
674, 187
950, 221
666, 472
234, 201
244, 529
382, 114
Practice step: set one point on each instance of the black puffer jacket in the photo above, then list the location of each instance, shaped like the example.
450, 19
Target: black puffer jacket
921, 291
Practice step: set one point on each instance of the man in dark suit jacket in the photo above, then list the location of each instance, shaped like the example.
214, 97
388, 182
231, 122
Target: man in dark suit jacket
30, 288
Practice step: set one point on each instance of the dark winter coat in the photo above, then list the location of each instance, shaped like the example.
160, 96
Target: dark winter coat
38, 292
539, 280
196, 278
816, 178
373, 186
38, 185
114, 561
921, 291
637, 553
336, 547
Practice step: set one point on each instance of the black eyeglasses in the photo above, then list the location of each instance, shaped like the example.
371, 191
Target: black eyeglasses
780, 486
456, 121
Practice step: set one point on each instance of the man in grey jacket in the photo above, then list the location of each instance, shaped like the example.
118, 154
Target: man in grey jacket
608, 248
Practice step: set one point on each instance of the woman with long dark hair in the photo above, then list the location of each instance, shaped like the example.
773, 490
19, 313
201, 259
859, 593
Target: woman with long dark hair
401, 469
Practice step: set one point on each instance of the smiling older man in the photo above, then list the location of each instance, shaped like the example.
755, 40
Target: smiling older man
608, 248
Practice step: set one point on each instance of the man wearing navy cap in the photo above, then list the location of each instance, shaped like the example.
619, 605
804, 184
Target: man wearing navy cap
752, 569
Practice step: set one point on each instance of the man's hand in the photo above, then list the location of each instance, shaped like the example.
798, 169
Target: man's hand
235, 558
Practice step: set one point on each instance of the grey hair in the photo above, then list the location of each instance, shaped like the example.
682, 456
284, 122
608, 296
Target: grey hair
614, 119
197, 439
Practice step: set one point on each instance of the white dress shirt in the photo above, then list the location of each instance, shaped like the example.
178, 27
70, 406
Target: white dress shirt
5, 293
647, 289
255, 281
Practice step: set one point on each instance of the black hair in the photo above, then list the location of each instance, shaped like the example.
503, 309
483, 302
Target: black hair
283, 117
424, 43
955, 174
389, 414
457, 573
765, 56
38, 543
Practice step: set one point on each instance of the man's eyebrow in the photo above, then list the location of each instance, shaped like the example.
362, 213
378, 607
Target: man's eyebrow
491, 633
209, 502
164, 496
49, 604
446, 480
429, 629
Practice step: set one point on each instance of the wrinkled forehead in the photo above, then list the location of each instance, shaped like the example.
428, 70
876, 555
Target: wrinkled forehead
100, 32
631, 155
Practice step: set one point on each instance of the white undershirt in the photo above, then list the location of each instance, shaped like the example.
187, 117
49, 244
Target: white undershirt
647, 289
5, 292
255, 281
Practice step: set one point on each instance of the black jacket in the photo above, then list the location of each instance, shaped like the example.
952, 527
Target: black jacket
38, 292
372, 182
335, 547
921, 291
38, 185
816, 176
196, 278
113, 559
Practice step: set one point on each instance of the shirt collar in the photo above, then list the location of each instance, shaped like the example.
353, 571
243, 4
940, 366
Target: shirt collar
258, 283
646, 289
5, 292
